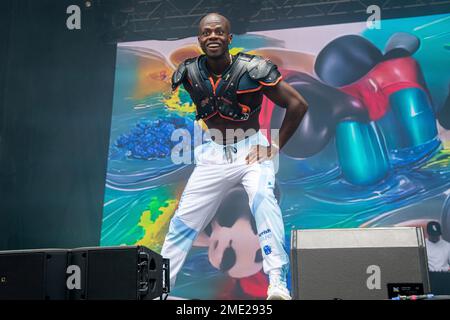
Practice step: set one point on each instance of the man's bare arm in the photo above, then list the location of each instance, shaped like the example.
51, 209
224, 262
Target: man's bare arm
287, 97
296, 106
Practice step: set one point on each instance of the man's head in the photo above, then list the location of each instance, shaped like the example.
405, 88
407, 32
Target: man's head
214, 35
434, 231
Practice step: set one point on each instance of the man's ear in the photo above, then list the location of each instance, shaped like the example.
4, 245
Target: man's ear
230, 37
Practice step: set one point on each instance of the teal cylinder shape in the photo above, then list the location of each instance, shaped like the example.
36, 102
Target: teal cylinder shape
410, 121
361, 152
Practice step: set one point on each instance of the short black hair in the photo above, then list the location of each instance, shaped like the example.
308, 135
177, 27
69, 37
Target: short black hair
225, 19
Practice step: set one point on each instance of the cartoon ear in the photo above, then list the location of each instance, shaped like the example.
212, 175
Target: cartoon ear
188, 51
153, 72
287, 59
401, 44
346, 59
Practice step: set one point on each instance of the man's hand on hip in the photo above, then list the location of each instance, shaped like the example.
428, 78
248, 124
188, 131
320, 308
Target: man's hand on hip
260, 153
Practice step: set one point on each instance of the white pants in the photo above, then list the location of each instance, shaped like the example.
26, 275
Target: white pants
219, 168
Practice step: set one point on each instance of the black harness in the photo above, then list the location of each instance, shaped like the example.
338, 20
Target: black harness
225, 99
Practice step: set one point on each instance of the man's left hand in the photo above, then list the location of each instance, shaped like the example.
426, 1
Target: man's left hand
262, 153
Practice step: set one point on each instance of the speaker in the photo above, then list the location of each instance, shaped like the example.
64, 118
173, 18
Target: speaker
357, 264
33, 274
96, 273
119, 273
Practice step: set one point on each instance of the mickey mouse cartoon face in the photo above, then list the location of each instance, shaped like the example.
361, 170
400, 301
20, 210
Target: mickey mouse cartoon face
232, 238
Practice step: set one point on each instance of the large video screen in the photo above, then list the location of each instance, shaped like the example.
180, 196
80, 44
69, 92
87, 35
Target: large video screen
376, 151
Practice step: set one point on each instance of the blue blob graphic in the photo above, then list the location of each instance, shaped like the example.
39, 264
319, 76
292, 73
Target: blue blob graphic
150, 140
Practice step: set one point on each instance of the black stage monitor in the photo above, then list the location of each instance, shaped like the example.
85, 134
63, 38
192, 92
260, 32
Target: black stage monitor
119, 273
33, 274
95, 273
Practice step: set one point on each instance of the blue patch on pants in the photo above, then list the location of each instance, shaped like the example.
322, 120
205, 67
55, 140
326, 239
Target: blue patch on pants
267, 250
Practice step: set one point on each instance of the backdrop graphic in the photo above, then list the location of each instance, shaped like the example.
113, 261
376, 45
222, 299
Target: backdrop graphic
373, 150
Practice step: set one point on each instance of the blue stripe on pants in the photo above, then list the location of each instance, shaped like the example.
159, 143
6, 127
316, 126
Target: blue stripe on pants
181, 234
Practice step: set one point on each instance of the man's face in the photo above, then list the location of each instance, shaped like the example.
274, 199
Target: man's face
214, 37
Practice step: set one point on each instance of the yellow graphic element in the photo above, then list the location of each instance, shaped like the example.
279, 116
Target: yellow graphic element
174, 103
440, 160
236, 50
155, 231
202, 125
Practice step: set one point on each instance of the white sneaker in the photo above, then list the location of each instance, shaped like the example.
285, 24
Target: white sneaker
278, 291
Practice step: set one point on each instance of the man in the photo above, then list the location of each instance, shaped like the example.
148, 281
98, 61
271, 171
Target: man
438, 250
227, 91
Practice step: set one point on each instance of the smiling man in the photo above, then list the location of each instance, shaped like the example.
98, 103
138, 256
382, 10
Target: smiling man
228, 91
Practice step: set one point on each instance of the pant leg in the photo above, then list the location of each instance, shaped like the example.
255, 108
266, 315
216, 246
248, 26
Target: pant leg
259, 182
198, 204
